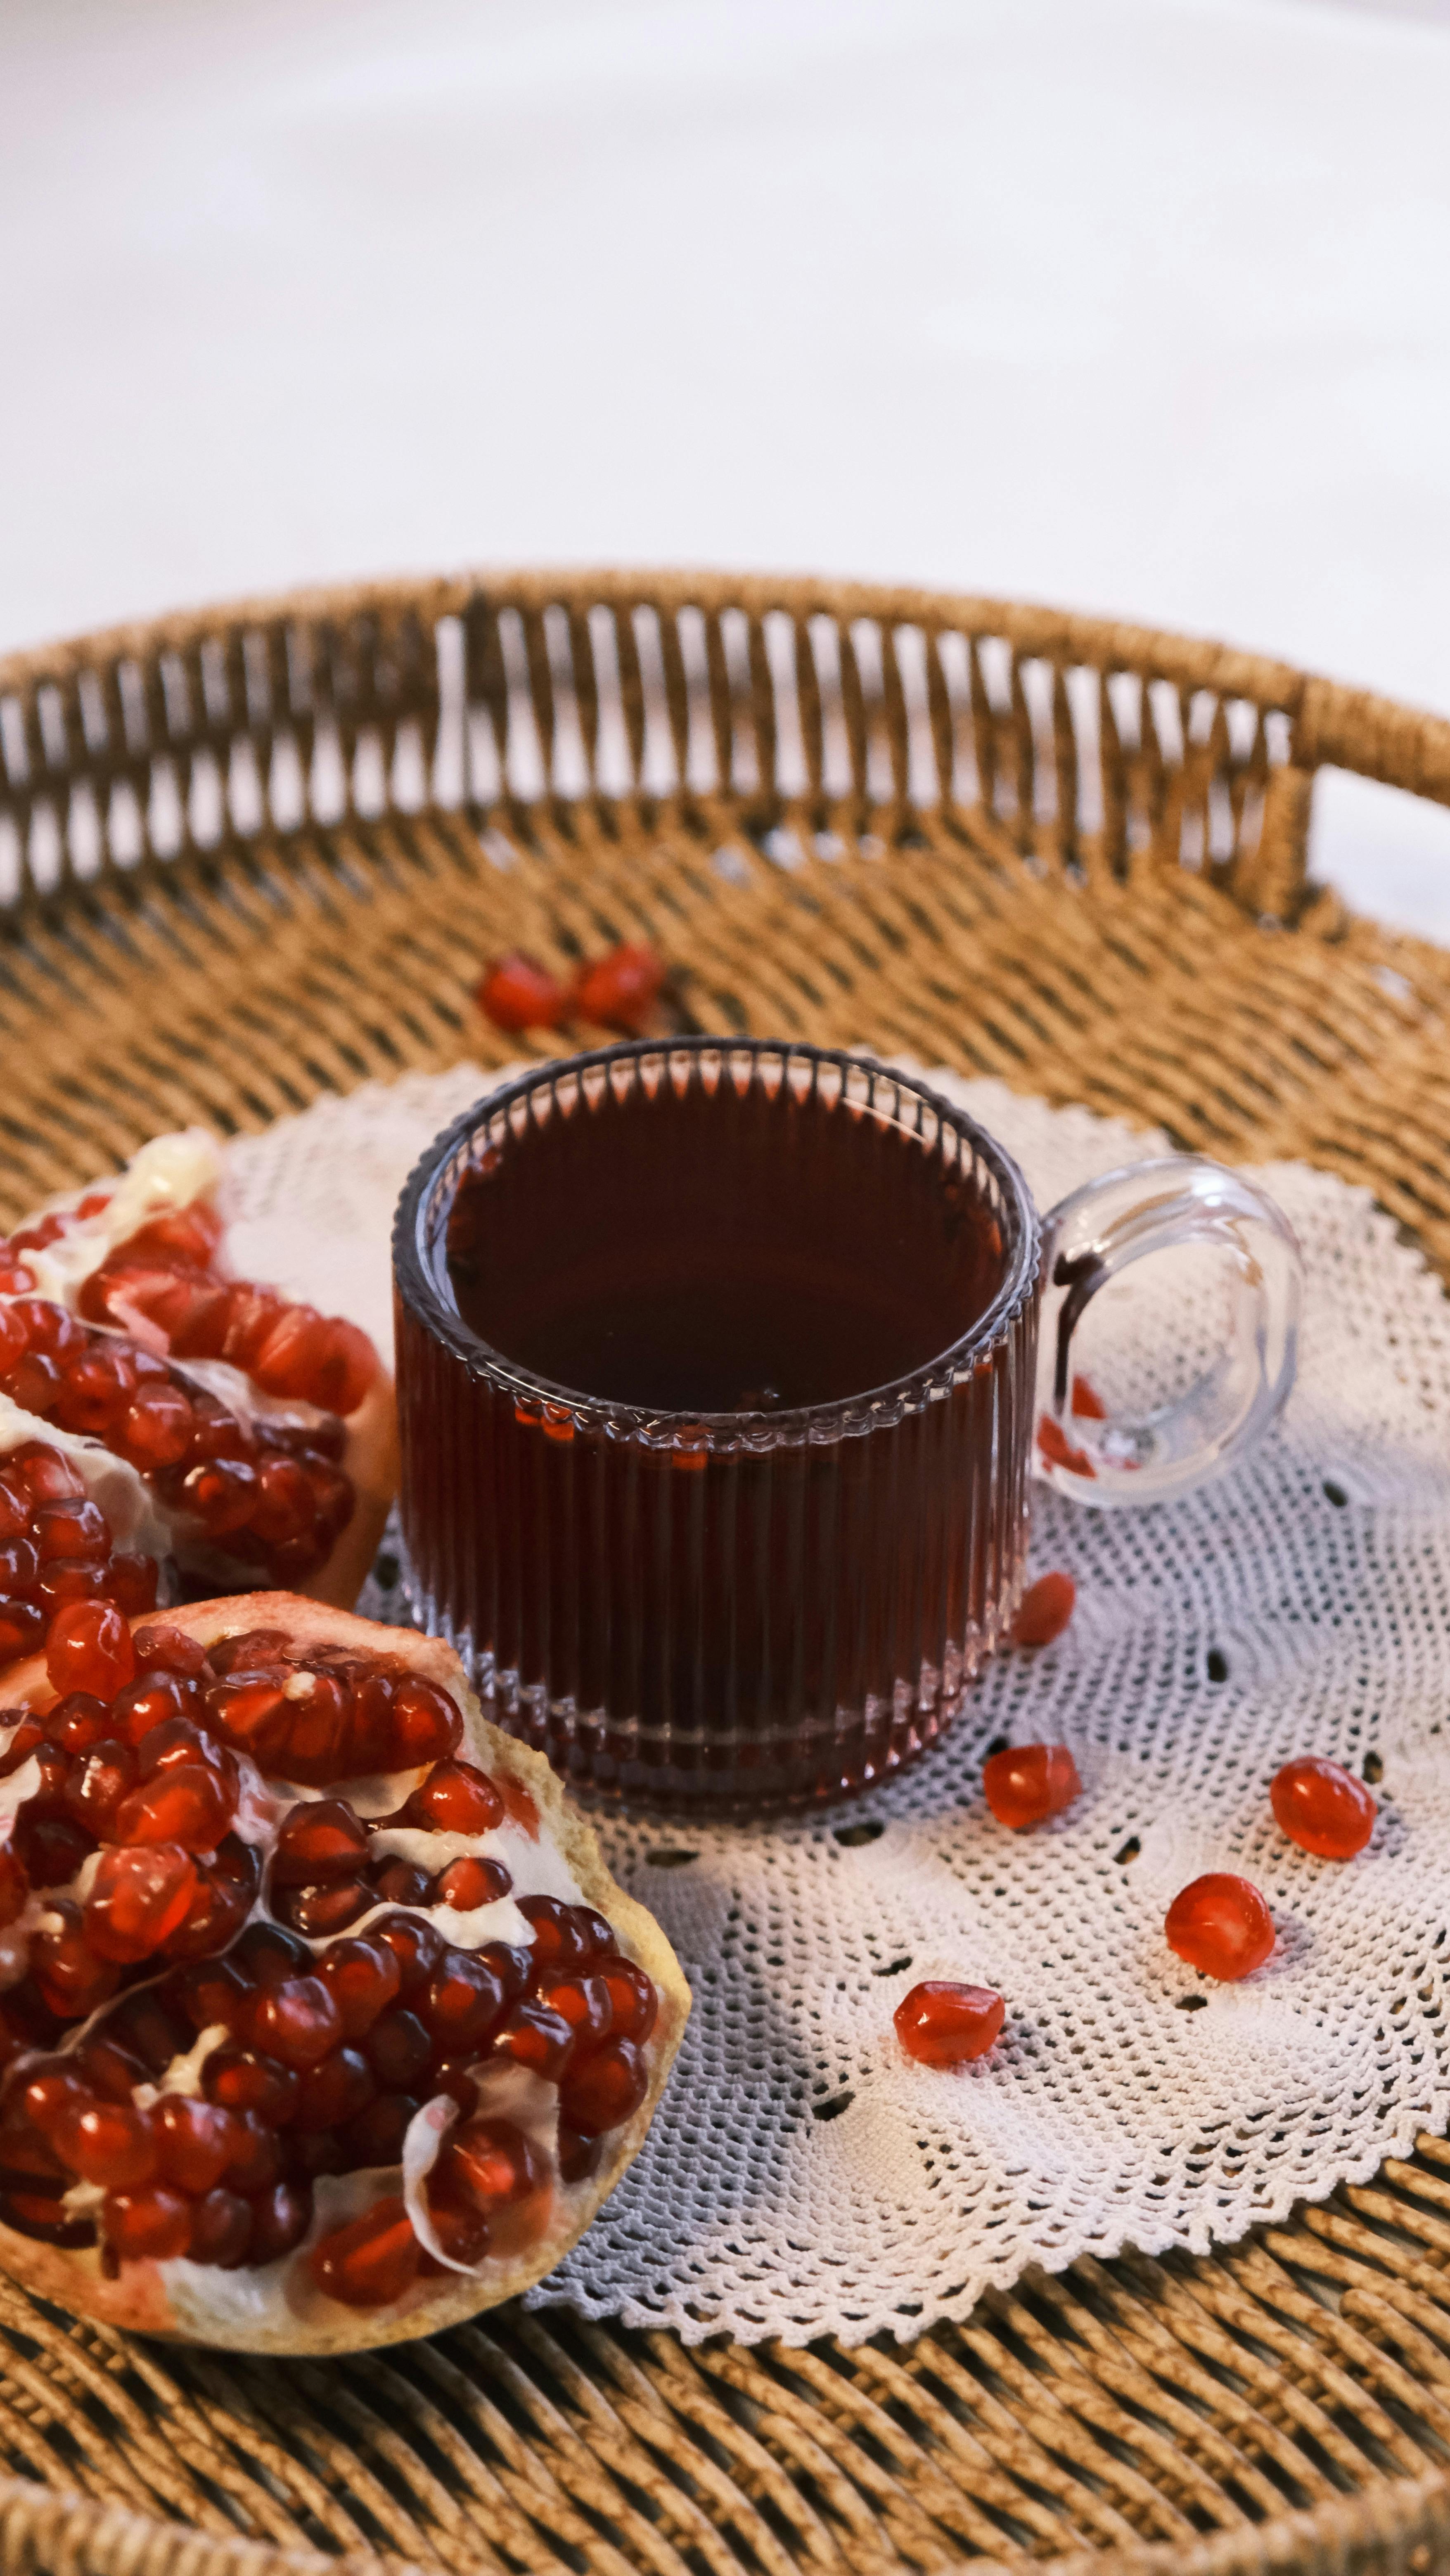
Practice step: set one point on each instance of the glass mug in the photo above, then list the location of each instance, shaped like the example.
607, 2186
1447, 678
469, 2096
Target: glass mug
719, 1389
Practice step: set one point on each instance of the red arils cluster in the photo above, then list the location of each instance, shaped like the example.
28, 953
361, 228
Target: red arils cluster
57, 1548
616, 991
268, 1493
166, 1275
329, 2050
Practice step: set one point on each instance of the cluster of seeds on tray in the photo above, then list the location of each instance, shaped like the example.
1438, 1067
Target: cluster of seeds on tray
270, 1493
616, 991
323, 2042
57, 1550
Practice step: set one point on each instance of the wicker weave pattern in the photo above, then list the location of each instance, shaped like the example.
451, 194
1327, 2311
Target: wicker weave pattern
258, 853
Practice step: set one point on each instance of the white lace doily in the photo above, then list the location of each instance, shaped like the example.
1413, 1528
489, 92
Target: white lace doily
802, 2175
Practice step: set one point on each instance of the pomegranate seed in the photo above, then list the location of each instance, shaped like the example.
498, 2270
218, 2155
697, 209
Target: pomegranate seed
578, 2156
512, 1964
242, 2080
426, 1724
375, 2136
89, 1649
605, 2088
297, 2021
318, 1841
516, 992
463, 2235
398, 2048
50, 1848
319, 1912
457, 2076
14, 1884
1044, 1610
71, 1980
248, 1650
633, 2003
463, 2000
150, 1702
619, 991
74, 1527
221, 2230
256, 2156
138, 1897
131, 1583
941, 2023
96, 1784
155, 1431
68, 1579
537, 2038
154, 2223
54, 2102
192, 1806
22, 1625
28, 1737
559, 1943
268, 1955
220, 1907
212, 1991
144, 2026
195, 2141
584, 2004
19, 1566
33, 1383
250, 1711
362, 1977
335, 2091
110, 2069
1220, 1923
162, 1649
47, 1474
1322, 1808
222, 1492
98, 1387
1029, 1782
416, 1947
312, 2152
490, 2162
111, 2143
1058, 1450
456, 1799
78, 1722
467, 1883
596, 1934
520, 1804
281, 2217
372, 2261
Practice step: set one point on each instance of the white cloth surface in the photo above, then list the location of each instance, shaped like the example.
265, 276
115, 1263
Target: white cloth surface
803, 2176
1142, 306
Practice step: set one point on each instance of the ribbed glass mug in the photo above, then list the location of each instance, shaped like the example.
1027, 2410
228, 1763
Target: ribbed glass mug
691, 1585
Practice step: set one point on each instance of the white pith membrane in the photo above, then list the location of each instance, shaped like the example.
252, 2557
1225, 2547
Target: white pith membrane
250, 2295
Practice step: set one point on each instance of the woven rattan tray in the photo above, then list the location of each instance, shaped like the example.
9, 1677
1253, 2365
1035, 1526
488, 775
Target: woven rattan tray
259, 853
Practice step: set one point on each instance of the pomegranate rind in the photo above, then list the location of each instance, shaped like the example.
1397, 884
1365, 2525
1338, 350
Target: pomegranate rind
147, 2297
370, 1462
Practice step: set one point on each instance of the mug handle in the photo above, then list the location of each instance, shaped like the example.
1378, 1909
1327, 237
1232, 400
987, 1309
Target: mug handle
1092, 1237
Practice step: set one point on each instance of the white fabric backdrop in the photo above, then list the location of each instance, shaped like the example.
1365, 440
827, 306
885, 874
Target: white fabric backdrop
1141, 305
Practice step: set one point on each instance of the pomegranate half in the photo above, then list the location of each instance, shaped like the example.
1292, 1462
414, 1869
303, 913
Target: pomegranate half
265, 1431
322, 2024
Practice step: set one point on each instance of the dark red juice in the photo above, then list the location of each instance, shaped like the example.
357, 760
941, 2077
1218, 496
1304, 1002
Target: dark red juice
714, 1383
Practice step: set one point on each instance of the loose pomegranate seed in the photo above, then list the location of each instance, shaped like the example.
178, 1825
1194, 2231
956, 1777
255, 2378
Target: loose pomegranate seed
1220, 1923
89, 1649
1044, 1610
619, 991
1322, 1808
456, 1799
516, 992
1029, 1782
335, 2091
398, 2047
372, 2261
467, 1883
281, 2217
633, 2003
196, 2141
152, 2223
537, 2038
604, 2089
463, 2000
941, 2023
138, 1897
1058, 1450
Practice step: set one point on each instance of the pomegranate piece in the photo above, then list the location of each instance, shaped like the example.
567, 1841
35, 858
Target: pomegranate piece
1029, 1782
1322, 1807
941, 2023
1221, 1925
516, 992
1044, 1610
619, 991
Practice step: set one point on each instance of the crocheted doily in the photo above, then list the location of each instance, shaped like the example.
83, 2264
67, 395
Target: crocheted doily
802, 2175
